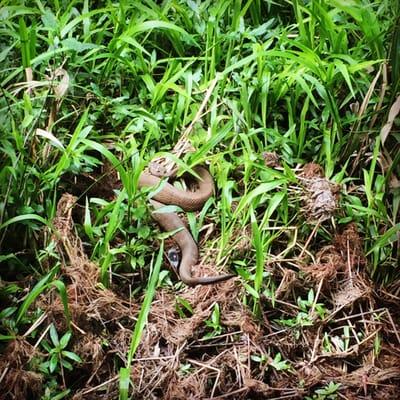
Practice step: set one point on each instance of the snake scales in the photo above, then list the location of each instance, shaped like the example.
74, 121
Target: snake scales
170, 221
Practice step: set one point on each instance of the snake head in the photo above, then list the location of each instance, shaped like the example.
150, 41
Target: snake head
174, 258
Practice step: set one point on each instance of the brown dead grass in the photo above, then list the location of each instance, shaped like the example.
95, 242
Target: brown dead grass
17, 381
320, 196
356, 343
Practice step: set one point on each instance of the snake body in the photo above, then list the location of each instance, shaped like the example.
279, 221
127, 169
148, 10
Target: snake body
188, 201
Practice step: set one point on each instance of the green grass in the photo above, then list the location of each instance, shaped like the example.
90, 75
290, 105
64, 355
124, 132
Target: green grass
286, 74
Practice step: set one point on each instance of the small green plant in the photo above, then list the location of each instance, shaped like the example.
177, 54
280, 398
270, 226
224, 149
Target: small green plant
214, 322
310, 304
51, 392
186, 368
58, 356
326, 393
277, 363
183, 307
306, 315
377, 344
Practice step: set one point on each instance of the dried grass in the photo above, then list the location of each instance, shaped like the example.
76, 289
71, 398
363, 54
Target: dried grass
176, 361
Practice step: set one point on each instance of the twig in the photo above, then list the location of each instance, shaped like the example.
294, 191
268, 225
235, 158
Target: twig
41, 337
35, 325
3, 374
393, 325
207, 366
101, 385
234, 392
349, 262
309, 239
198, 115
359, 314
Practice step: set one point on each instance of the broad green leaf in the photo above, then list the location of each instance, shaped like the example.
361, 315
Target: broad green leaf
145, 309
54, 335
34, 293
258, 191
25, 217
72, 356
64, 298
65, 340
124, 381
53, 363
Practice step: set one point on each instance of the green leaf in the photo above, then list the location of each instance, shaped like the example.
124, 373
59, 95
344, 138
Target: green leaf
53, 362
79, 134
261, 189
46, 345
115, 218
34, 293
49, 20
67, 364
54, 335
7, 337
7, 312
258, 245
110, 157
73, 44
158, 25
343, 70
252, 291
24, 37
64, 298
65, 340
61, 395
389, 237
72, 356
184, 303
124, 381
25, 217
145, 309
87, 223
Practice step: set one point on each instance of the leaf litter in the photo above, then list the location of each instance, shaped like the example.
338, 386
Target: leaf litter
353, 341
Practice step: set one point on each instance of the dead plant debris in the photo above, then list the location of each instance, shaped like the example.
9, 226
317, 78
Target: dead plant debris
271, 159
320, 196
352, 341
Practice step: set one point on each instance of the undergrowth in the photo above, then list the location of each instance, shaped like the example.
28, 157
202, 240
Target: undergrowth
300, 132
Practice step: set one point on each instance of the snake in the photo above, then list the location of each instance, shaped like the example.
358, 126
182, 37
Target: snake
170, 221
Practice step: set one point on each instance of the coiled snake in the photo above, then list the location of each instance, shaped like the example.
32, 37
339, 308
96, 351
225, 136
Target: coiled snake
170, 221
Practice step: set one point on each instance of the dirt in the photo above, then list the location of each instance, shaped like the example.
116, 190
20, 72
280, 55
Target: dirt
352, 340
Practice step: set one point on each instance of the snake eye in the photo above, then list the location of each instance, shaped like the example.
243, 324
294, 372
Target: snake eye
173, 258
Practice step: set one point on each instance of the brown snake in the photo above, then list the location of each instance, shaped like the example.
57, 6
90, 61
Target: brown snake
188, 201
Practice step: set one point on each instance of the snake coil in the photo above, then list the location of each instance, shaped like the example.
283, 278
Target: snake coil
170, 221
